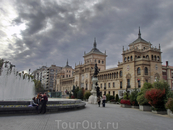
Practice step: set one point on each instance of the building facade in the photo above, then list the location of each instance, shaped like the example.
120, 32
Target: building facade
167, 72
141, 63
47, 76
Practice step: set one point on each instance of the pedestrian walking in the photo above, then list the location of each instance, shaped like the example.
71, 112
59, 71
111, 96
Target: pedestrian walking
103, 100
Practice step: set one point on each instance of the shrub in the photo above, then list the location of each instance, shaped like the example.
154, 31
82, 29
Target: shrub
108, 97
155, 97
124, 101
169, 104
169, 95
142, 100
117, 98
163, 85
87, 94
80, 94
133, 97
125, 95
112, 100
120, 99
141, 95
111, 97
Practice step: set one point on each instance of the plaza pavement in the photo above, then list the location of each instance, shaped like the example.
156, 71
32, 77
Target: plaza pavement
92, 117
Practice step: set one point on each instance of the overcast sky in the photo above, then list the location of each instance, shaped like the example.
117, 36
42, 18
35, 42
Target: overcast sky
34, 33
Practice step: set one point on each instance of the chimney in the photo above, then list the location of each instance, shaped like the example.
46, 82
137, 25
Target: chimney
166, 63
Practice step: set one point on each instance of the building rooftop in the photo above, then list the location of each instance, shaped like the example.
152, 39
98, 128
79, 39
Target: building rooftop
139, 40
94, 50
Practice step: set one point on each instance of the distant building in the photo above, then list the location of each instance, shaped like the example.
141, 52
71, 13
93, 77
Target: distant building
141, 63
167, 72
47, 76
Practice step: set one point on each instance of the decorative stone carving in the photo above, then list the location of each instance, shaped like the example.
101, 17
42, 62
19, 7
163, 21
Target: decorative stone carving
128, 76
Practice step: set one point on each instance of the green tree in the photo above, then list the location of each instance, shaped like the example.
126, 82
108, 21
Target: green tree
163, 85
87, 94
141, 95
108, 97
80, 94
133, 97
38, 86
117, 98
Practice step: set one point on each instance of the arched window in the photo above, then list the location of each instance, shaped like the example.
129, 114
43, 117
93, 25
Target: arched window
146, 71
138, 71
151, 57
99, 61
125, 59
155, 58
128, 58
95, 60
147, 56
102, 62
139, 57
121, 74
117, 74
131, 58
158, 58
100, 85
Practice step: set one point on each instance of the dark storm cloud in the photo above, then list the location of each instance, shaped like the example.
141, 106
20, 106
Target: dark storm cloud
56, 31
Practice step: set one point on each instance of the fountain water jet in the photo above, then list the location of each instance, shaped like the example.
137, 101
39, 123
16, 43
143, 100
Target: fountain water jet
13, 87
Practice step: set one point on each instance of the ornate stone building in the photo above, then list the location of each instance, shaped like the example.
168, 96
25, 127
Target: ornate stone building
141, 62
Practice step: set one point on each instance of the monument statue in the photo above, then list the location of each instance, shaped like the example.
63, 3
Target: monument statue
96, 71
93, 97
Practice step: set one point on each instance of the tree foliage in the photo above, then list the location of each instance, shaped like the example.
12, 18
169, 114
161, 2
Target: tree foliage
117, 98
155, 97
87, 94
141, 95
38, 86
133, 97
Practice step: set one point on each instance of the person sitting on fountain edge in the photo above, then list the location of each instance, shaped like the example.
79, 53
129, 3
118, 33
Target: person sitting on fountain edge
44, 102
34, 103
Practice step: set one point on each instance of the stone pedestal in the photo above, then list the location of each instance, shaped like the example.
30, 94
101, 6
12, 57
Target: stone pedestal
93, 98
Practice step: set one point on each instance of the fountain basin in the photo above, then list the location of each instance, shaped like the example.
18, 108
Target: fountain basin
17, 107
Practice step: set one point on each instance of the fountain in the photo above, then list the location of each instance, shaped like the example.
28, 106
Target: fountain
14, 86
17, 90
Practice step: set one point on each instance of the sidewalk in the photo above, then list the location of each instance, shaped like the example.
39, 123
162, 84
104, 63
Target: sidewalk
92, 117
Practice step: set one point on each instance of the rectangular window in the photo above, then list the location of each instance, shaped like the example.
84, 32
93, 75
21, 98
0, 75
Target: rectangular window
113, 85
109, 85
105, 86
109, 92
120, 84
164, 73
113, 93
139, 83
128, 83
